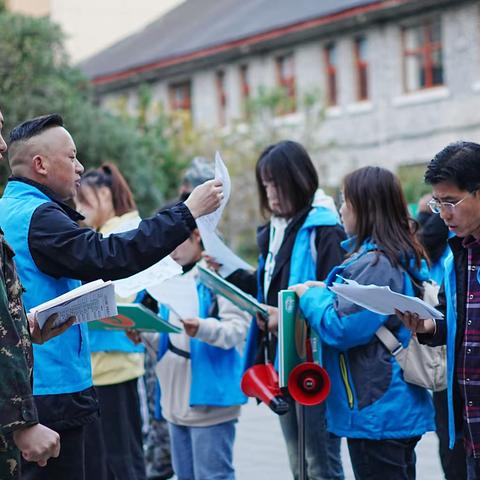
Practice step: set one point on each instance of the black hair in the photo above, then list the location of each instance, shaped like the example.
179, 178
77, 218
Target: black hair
288, 165
459, 164
35, 126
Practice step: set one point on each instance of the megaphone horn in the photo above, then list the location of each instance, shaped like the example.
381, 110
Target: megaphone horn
309, 384
261, 382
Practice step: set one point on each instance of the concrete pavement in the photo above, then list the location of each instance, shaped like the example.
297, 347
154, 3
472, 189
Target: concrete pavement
260, 452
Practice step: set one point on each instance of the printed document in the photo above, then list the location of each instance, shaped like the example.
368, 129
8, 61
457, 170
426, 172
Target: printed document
207, 225
382, 300
154, 275
92, 301
179, 294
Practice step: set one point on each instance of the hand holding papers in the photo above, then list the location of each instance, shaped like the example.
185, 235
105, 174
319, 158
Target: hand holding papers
241, 299
208, 224
382, 300
89, 302
210, 221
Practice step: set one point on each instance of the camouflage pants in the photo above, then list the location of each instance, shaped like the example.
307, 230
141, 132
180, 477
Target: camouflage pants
9, 460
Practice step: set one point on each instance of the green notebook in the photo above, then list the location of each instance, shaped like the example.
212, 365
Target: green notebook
136, 317
292, 333
238, 297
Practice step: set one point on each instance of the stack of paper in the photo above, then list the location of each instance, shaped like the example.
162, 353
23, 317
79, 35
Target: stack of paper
382, 300
92, 301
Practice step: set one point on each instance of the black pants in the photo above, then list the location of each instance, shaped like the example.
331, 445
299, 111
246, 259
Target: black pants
120, 435
70, 464
454, 462
392, 459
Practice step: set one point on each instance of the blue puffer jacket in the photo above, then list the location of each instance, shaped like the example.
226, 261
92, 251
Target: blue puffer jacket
302, 268
369, 398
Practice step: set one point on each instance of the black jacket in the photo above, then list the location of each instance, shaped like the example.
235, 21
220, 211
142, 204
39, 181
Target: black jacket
329, 254
60, 248
440, 336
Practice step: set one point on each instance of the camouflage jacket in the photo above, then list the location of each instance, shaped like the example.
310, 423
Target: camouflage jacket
17, 407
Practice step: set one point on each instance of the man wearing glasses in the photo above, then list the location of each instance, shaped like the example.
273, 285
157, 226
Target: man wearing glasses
454, 174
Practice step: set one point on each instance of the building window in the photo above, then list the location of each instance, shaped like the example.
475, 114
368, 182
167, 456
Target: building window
221, 97
361, 68
422, 55
286, 81
330, 53
244, 88
180, 96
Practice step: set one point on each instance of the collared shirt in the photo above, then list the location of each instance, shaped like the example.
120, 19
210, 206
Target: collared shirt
468, 360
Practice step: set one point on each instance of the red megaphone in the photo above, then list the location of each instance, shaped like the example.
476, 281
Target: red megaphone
309, 384
261, 382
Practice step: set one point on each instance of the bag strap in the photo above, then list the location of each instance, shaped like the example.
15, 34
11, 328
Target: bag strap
389, 340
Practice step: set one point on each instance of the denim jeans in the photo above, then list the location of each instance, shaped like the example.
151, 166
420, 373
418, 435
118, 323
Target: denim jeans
322, 449
203, 453
381, 459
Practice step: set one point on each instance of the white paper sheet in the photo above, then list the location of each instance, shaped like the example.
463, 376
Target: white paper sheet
179, 293
210, 221
222, 254
382, 300
212, 243
154, 275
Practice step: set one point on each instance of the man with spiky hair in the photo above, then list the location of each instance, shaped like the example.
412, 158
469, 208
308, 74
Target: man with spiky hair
54, 255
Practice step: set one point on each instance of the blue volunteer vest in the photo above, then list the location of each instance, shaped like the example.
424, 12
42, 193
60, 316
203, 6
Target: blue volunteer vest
216, 372
62, 365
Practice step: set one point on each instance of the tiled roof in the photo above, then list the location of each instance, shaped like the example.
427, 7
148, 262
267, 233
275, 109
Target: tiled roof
197, 25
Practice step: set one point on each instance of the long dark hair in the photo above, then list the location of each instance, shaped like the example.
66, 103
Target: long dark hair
108, 175
288, 165
381, 214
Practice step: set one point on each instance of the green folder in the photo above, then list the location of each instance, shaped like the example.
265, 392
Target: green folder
136, 317
220, 286
292, 333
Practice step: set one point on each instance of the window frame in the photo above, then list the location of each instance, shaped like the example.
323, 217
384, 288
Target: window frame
331, 74
361, 70
425, 51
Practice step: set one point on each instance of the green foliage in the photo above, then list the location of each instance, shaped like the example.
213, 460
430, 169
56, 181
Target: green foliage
36, 78
411, 178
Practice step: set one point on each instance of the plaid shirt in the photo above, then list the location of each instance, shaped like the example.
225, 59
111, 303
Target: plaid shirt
468, 360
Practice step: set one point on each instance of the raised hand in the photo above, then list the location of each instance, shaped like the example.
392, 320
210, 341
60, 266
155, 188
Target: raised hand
205, 198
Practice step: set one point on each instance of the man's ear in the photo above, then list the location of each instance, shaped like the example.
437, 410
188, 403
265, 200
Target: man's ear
40, 165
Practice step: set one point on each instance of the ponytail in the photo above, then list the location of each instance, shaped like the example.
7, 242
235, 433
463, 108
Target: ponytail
108, 175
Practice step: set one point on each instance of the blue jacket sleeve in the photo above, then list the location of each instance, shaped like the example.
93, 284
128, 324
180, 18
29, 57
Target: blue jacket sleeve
339, 322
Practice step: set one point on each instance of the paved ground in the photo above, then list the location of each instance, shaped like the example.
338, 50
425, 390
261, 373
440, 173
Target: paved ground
260, 452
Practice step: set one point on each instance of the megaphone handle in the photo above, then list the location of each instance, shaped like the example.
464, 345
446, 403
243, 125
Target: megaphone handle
301, 442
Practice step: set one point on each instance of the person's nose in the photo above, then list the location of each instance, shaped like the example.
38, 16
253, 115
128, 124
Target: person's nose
79, 168
446, 214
